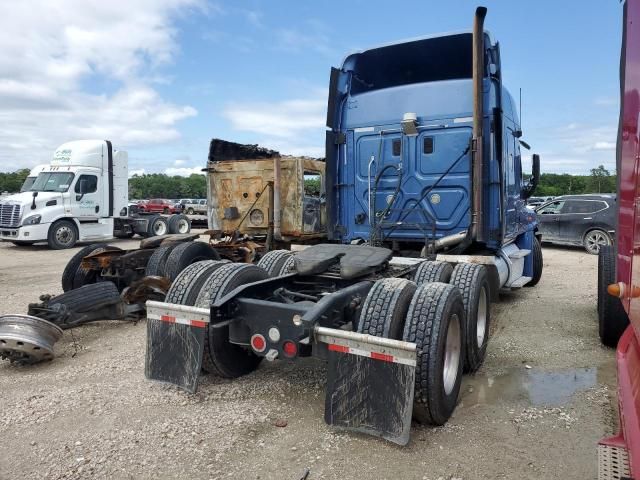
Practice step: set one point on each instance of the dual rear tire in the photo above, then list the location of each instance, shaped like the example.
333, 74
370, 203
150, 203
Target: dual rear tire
200, 285
431, 316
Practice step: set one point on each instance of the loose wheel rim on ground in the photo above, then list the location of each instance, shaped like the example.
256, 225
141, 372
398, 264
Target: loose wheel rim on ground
64, 235
595, 240
481, 322
451, 355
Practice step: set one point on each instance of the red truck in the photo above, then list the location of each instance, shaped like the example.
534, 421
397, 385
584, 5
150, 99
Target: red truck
159, 205
619, 267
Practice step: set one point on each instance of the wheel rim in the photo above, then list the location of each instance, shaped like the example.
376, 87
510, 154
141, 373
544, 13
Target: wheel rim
481, 321
451, 355
595, 240
159, 228
183, 226
64, 235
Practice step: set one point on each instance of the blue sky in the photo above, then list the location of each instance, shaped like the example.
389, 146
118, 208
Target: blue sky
161, 77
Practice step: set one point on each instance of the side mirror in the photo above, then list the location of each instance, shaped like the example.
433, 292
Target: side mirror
530, 188
33, 202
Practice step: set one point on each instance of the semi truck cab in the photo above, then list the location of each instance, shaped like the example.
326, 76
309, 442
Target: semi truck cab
79, 196
404, 147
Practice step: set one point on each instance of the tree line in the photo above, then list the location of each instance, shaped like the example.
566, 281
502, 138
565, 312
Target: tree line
160, 185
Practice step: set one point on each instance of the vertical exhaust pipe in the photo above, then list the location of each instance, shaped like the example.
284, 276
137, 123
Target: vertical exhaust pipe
277, 235
477, 230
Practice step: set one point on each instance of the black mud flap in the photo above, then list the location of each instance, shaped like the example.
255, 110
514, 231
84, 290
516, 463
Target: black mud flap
175, 343
370, 384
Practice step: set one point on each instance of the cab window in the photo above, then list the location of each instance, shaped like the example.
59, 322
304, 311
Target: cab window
90, 180
553, 207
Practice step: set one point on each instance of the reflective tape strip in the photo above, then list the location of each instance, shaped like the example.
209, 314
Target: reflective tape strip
375, 355
182, 314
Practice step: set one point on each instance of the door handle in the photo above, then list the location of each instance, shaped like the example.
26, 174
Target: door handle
97, 208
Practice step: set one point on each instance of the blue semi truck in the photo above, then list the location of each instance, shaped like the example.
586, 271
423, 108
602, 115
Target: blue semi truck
426, 218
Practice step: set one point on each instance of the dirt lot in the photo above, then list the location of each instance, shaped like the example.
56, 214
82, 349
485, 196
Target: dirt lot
545, 395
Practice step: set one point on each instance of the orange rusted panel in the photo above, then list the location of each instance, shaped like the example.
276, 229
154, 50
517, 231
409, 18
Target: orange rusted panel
238, 197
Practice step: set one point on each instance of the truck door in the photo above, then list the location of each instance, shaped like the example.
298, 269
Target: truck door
549, 216
85, 198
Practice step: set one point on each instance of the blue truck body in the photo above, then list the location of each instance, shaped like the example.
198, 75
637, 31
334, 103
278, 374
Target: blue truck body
406, 188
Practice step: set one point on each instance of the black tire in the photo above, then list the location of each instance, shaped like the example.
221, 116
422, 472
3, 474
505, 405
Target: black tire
62, 234
125, 235
536, 253
385, 308
595, 239
434, 308
20, 243
185, 254
158, 260
221, 357
473, 282
86, 298
612, 318
86, 277
274, 261
165, 210
186, 287
431, 271
73, 265
157, 226
179, 224
189, 211
288, 266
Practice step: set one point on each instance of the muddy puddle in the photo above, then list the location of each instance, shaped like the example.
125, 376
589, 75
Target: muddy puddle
534, 386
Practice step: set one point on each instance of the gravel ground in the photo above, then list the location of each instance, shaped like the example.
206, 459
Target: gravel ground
536, 409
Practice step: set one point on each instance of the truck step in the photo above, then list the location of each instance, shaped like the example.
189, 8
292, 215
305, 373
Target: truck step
519, 254
520, 282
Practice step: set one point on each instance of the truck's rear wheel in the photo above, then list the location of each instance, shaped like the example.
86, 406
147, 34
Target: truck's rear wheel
186, 287
185, 254
179, 223
69, 272
473, 282
157, 226
189, 211
536, 255
612, 318
222, 357
385, 308
431, 271
158, 260
62, 234
434, 323
277, 262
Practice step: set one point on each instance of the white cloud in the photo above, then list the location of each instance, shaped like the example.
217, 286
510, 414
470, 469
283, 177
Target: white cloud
280, 119
604, 146
183, 171
47, 64
139, 172
179, 162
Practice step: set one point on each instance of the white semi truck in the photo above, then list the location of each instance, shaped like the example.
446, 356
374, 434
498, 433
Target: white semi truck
81, 196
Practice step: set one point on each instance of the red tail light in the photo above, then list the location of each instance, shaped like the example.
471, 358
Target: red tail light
290, 349
258, 343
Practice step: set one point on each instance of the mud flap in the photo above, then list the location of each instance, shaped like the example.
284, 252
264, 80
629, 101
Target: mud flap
175, 343
370, 383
